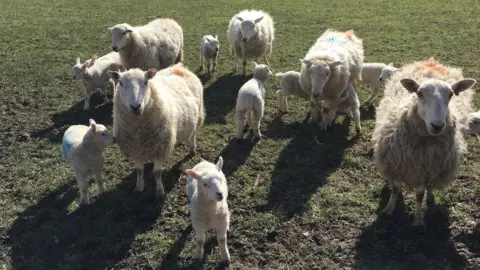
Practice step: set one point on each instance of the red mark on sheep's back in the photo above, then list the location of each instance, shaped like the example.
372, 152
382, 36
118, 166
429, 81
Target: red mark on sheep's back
431, 66
179, 71
349, 34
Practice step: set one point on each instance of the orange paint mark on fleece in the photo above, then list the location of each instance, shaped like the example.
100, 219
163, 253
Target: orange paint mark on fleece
432, 66
349, 34
179, 71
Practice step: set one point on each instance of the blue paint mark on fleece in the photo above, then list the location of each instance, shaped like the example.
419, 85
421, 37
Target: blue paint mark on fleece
66, 143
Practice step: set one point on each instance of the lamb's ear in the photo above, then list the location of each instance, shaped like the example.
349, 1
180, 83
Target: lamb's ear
110, 29
462, 85
409, 84
92, 60
128, 29
336, 63
240, 18
150, 73
219, 164
258, 20
114, 75
216, 37
86, 64
254, 64
390, 64
77, 61
93, 125
306, 62
193, 174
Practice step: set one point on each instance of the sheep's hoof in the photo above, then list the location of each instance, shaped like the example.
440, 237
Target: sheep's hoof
160, 195
387, 210
430, 200
84, 201
200, 68
358, 130
323, 127
138, 188
418, 222
85, 108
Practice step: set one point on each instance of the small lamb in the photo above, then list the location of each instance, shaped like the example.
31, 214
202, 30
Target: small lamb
207, 193
370, 76
350, 106
251, 101
209, 47
387, 73
82, 148
290, 85
77, 69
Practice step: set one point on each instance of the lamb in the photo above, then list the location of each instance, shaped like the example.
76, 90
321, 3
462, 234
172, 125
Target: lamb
331, 64
154, 112
350, 106
209, 47
82, 149
250, 34
95, 75
158, 44
289, 85
371, 76
387, 73
474, 123
419, 140
77, 69
207, 193
250, 100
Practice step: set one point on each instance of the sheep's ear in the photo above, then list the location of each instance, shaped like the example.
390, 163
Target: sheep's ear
219, 164
306, 62
208, 40
114, 75
86, 64
92, 60
390, 64
77, 61
409, 84
254, 64
150, 73
193, 174
462, 85
258, 20
336, 63
216, 37
128, 29
110, 29
93, 125
240, 18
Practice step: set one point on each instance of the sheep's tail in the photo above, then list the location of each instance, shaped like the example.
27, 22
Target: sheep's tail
279, 75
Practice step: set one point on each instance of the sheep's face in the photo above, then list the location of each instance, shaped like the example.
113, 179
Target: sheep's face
211, 183
100, 135
320, 72
133, 88
386, 73
120, 34
77, 70
433, 99
248, 28
261, 71
212, 42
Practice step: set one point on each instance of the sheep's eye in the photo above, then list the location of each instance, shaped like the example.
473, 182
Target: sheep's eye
121, 84
328, 72
205, 185
146, 82
419, 94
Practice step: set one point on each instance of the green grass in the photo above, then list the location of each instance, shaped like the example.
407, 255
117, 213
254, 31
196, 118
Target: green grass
316, 202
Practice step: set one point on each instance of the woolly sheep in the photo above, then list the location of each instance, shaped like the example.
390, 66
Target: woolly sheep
289, 85
419, 139
474, 123
370, 76
77, 69
158, 44
82, 148
250, 34
95, 76
209, 47
250, 101
330, 65
207, 193
154, 112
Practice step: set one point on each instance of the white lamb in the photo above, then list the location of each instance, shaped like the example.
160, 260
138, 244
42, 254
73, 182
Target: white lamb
157, 44
207, 193
250, 101
331, 64
289, 86
250, 34
82, 148
350, 105
387, 73
95, 76
77, 69
209, 47
154, 112
370, 76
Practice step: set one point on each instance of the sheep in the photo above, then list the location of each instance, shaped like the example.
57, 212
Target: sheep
250, 100
289, 85
158, 44
474, 123
331, 64
250, 34
207, 193
82, 149
209, 48
370, 76
350, 105
77, 69
152, 112
95, 76
419, 140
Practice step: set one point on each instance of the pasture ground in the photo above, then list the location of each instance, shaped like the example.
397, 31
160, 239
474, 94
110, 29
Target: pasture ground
300, 199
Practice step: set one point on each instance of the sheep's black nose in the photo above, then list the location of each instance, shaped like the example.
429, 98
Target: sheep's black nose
437, 127
244, 40
315, 94
220, 196
114, 48
380, 79
135, 108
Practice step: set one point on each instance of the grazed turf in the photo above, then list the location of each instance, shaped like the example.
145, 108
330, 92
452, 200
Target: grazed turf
300, 199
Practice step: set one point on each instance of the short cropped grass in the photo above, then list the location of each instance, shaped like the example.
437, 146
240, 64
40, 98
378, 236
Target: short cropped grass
300, 198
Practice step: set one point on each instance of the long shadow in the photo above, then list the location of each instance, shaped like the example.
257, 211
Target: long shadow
304, 165
235, 154
48, 235
75, 115
220, 97
367, 112
471, 240
173, 256
392, 241
277, 129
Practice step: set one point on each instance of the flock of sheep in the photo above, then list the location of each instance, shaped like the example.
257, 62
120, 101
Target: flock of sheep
421, 122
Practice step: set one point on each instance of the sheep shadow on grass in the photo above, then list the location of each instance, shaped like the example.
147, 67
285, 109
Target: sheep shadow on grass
392, 241
236, 153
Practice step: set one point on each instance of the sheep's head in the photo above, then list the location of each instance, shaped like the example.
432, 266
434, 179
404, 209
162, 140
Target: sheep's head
99, 135
261, 71
213, 42
386, 73
211, 183
133, 88
120, 35
248, 28
433, 98
77, 69
320, 72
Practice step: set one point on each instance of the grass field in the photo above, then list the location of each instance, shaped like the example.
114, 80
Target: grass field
300, 199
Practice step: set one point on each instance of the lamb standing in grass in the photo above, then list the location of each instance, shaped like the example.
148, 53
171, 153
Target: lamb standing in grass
77, 69
82, 148
209, 47
158, 44
250, 101
250, 34
154, 112
371, 76
289, 85
419, 139
207, 193
331, 64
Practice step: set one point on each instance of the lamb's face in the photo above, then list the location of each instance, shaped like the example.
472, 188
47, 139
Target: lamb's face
433, 99
386, 73
100, 135
214, 44
320, 72
261, 71
248, 28
133, 88
211, 183
120, 34
77, 70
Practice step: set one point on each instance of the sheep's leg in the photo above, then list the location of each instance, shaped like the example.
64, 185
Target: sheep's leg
201, 60
193, 143
391, 202
140, 181
249, 119
86, 105
82, 180
328, 115
280, 100
99, 181
255, 59
215, 63
240, 117
419, 193
236, 64
222, 244
430, 196
244, 61
200, 238
356, 114
157, 172
314, 113
372, 96
285, 104
208, 66
266, 60
257, 118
